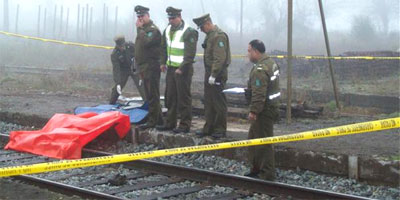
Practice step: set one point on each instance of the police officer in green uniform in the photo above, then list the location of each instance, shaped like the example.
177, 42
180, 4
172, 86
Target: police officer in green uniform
178, 49
123, 67
217, 57
147, 56
263, 95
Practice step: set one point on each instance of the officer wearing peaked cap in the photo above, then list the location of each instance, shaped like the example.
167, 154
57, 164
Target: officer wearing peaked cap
141, 10
147, 55
123, 67
217, 57
178, 50
263, 95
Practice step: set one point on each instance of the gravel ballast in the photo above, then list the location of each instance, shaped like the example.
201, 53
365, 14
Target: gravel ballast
218, 164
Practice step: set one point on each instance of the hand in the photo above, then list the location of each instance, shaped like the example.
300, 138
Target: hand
178, 71
141, 76
139, 23
211, 80
252, 116
163, 68
119, 89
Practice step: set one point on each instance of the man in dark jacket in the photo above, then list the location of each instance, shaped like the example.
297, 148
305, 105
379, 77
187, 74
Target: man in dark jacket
147, 56
122, 61
263, 94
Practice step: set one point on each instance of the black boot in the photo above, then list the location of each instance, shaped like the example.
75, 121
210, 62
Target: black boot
219, 135
252, 174
164, 128
181, 130
146, 126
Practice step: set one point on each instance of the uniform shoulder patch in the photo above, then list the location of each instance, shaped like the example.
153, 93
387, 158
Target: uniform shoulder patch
260, 67
258, 82
221, 44
191, 40
149, 34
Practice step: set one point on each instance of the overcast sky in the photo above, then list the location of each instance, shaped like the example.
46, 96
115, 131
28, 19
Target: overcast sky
338, 12
256, 13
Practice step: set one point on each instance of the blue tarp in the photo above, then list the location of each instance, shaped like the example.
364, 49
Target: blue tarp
136, 115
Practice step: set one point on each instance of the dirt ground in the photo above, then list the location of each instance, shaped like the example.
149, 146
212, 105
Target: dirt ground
382, 143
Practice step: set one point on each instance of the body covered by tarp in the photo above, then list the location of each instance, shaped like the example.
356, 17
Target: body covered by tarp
65, 135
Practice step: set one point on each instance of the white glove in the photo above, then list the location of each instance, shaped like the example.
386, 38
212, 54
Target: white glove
119, 89
211, 80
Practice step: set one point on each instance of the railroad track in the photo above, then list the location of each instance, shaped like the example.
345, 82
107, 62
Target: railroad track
145, 179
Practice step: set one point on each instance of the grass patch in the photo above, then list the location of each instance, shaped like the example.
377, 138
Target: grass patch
331, 106
395, 157
6, 79
395, 114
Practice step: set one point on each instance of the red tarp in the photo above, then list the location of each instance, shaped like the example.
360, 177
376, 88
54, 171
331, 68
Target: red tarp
65, 135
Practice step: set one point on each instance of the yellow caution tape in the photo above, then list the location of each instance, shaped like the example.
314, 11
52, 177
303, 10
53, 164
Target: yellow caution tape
308, 135
56, 41
233, 56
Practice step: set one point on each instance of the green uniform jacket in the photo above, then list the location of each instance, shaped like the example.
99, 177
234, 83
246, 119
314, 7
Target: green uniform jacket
217, 54
122, 61
190, 38
263, 84
147, 45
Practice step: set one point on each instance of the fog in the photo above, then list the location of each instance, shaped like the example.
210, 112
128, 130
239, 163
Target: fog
358, 25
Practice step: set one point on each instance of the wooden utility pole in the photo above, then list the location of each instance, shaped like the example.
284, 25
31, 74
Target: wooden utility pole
328, 51
241, 19
54, 21
67, 24
77, 22
6, 20
107, 22
61, 20
87, 22
91, 21
116, 20
38, 23
289, 62
83, 22
104, 21
16, 19
44, 21
202, 6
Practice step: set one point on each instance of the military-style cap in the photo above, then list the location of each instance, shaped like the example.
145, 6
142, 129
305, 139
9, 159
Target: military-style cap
119, 40
173, 12
141, 10
201, 20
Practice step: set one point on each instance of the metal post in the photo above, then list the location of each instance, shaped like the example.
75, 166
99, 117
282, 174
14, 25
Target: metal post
6, 20
67, 24
289, 62
44, 22
16, 19
87, 22
38, 23
77, 22
241, 19
328, 51
54, 21
61, 19
116, 20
